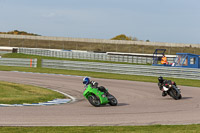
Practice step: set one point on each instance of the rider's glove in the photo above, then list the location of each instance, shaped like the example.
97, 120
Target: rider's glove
94, 84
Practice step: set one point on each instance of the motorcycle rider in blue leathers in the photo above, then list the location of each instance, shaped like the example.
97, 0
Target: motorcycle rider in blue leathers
86, 81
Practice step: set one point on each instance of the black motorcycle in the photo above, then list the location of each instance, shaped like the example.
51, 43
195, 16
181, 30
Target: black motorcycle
173, 91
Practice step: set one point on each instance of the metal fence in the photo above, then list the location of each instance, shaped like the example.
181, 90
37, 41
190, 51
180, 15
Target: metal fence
144, 70
5, 52
18, 62
88, 56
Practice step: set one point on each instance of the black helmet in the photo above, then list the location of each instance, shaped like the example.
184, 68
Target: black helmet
160, 79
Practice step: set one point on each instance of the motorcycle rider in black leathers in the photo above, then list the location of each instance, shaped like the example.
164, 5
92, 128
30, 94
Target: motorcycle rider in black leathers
163, 82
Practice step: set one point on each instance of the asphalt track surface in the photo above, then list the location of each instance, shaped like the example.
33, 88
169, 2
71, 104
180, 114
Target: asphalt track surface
140, 103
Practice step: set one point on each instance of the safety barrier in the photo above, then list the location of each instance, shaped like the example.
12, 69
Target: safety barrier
5, 52
88, 56
145, 70
18, 62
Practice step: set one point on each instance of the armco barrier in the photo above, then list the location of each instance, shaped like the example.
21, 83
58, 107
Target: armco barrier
5, 52
18, 62
176, 72
88, 56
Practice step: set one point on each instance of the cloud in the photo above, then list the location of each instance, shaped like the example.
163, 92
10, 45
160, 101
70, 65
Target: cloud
49, 15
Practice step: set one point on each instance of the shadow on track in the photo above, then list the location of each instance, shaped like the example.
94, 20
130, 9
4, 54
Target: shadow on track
184, 98
122, 104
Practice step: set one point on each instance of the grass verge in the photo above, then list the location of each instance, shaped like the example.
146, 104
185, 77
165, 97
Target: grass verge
12, 93
185, 82
107, 129
90, 46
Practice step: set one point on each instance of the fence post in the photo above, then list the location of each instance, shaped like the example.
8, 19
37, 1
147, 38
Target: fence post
31, 62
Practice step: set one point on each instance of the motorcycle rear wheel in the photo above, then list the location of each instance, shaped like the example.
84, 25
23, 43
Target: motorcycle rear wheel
94, 100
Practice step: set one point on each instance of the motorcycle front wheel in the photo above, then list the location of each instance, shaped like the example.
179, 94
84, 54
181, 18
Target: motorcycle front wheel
94, 100
174, 93
180, 96
113, 101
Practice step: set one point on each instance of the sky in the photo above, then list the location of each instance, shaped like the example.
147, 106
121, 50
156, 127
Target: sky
173, 21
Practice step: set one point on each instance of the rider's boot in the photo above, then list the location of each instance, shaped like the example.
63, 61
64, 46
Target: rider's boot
164, 93
106, 93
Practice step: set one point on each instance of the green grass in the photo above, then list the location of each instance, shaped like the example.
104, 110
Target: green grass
185, 82
12, 93
105, 129
101, 47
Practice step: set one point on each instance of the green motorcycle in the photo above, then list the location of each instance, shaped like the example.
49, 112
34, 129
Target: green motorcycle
98, 98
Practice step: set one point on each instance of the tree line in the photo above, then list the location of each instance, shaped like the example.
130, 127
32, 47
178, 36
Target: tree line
16, 32
118, 37
124, 37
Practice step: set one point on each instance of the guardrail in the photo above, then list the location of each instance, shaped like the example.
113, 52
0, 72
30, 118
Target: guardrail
5, 52
18, 62
89, 56
176, 72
